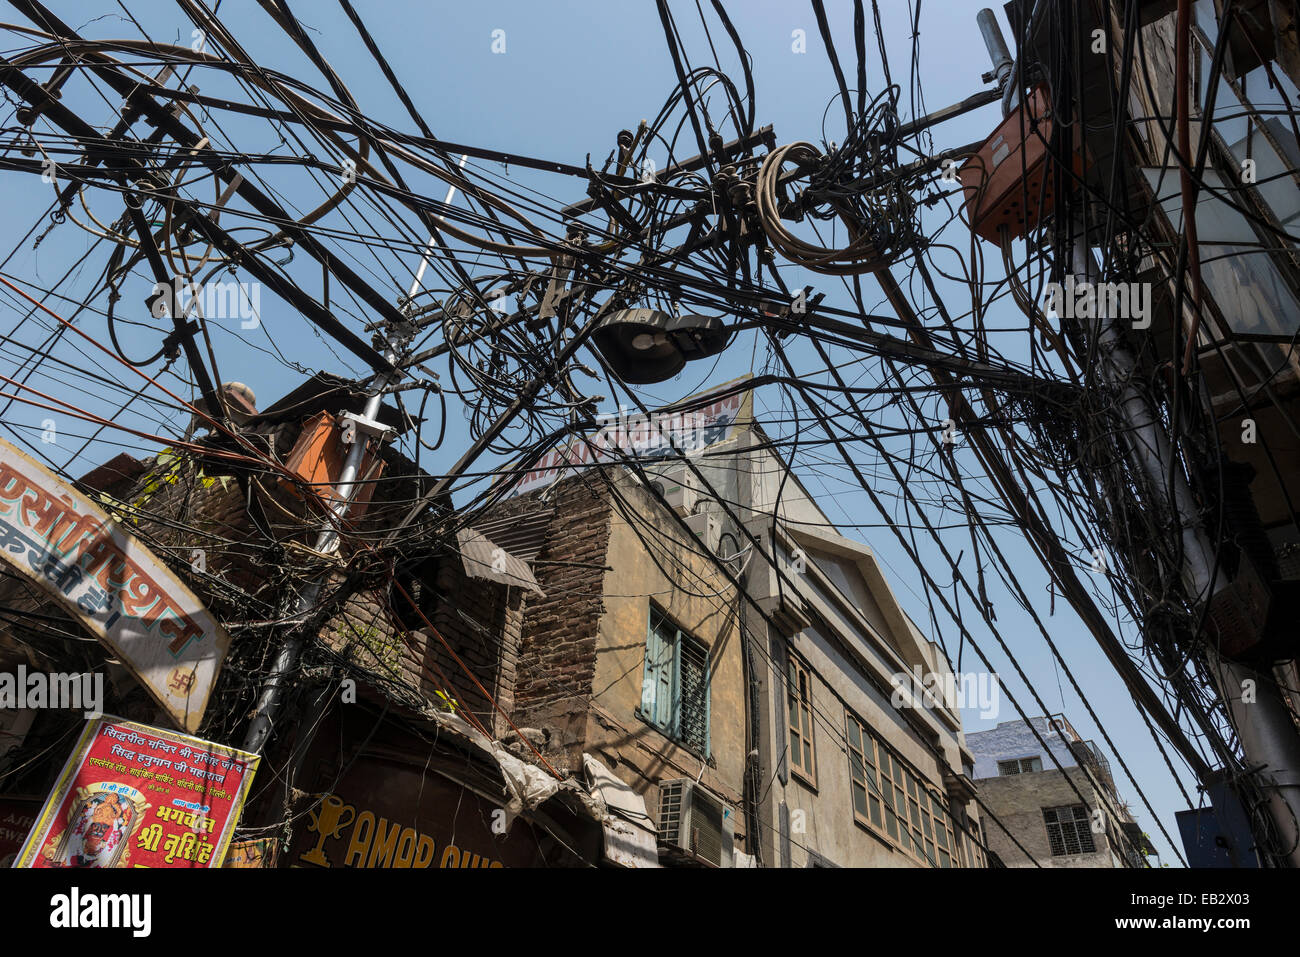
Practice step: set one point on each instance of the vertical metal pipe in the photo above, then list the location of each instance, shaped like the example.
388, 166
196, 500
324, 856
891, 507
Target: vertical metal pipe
1261, 720
428, 247
328, 539
1268, 739
1149, 446
268, 702
995, 44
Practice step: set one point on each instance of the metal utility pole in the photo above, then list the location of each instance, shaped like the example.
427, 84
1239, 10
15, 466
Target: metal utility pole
1262, 721
428, 249
362, 428
996, 45
1259, 715
268, 704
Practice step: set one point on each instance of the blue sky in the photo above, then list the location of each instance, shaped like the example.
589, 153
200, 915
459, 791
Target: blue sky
574, 73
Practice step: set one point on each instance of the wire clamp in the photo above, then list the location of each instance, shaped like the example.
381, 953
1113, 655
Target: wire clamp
351, 423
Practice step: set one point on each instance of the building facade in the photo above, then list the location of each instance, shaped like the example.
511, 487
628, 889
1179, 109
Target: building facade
847, 764
1057, 805
653, 662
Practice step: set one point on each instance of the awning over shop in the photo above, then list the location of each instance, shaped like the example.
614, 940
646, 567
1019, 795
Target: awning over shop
483, 559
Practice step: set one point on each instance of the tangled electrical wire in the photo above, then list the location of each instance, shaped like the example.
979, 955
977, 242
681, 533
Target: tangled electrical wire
490, 302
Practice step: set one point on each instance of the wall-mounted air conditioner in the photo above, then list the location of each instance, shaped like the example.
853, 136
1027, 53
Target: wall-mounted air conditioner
695, 822
680, 493
707, 528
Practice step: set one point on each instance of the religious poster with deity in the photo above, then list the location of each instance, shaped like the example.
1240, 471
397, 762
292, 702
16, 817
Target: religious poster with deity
135, 796
119, 590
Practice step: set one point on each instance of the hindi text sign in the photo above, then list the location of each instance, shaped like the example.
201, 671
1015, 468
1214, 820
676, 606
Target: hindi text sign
119, 590
135, 796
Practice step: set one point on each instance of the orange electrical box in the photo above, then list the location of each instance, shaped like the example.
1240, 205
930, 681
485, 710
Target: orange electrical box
993, 177
318, 456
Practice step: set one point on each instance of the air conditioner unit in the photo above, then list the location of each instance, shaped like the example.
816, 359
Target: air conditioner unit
695, 822
707, 528
681, 494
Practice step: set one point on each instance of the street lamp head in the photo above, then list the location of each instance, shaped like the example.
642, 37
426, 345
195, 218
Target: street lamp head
645, 345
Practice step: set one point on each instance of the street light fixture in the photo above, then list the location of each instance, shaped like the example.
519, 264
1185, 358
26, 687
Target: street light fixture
646, 345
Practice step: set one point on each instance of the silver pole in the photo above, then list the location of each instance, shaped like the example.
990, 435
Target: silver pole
268, 703
995, 44
1268, 739
424, 260
1149, 446
1261, 719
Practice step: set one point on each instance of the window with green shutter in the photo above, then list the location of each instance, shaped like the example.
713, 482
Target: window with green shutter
675, 686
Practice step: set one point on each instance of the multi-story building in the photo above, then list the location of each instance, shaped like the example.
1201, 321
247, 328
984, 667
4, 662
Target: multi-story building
1056, 806
646, 660
846, 766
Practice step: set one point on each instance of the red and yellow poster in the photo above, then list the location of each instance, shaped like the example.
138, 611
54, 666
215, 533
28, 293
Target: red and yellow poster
135, 796
260, 852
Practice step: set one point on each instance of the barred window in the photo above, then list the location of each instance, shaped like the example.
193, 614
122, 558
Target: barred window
1068, 831
1020, 766
694, 677
675, 687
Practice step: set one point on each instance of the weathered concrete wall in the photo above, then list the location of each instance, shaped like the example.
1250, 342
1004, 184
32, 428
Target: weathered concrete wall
827, 828
1017, 800
851, 654
676, 575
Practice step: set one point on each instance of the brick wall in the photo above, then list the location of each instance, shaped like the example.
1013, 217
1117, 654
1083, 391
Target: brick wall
557, 648
480, 622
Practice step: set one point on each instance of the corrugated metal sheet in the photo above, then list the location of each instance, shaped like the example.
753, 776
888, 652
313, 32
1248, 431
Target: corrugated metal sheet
483, 558
521, 535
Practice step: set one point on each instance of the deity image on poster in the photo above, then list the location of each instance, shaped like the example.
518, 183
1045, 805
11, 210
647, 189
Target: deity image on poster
100, 823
